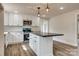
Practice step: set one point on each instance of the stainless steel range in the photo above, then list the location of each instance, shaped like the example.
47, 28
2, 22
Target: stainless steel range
26, 33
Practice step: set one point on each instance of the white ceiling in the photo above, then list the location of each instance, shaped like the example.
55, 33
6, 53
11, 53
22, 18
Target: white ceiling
31, 8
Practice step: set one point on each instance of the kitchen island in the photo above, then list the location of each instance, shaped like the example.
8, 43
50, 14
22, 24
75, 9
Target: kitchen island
42, 43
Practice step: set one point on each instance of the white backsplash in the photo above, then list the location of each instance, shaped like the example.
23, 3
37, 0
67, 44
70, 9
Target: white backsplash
17, 28
12, 28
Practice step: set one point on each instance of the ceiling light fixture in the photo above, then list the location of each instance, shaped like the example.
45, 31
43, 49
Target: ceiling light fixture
38, 11
47, 8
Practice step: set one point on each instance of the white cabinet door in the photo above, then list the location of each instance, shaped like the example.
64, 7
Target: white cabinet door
16, 18
34, 43
35, 22
31, 41
36, 46
11, 19
20, 20
9, 39
6, 18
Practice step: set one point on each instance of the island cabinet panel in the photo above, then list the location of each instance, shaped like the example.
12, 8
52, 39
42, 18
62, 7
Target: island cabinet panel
42, 46
34, 42
46, 46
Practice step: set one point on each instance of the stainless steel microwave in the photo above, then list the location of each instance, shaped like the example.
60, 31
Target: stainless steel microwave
27, 22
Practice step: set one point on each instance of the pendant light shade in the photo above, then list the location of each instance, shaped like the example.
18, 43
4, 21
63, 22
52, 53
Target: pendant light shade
38, 11
47, 8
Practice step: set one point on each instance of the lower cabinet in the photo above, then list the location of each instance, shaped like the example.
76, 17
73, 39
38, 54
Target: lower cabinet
31, 43
36, 46
34, 42
13, 37
42, 46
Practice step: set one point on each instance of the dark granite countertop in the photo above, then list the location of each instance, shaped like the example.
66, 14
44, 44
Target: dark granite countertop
46, 34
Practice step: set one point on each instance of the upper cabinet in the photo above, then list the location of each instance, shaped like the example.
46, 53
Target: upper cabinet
11, 19
6, 17
35, 20
20, 20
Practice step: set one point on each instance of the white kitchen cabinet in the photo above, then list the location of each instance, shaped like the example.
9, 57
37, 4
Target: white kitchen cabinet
20, 20
6, 17
16, 18
36, 45
36, 22
34, 42
42, 46
14, 37
12, 19
31, 42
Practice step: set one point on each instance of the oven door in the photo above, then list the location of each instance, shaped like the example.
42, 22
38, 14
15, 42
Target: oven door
26, 36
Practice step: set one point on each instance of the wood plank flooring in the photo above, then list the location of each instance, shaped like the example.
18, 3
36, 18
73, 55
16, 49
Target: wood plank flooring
59, 49
17, 50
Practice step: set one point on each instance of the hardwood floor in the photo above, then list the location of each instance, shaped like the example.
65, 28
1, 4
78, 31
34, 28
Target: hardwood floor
61, 49
23, 49
17, 50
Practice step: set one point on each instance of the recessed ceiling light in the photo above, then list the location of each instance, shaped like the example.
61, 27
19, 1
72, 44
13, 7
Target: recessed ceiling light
61, 8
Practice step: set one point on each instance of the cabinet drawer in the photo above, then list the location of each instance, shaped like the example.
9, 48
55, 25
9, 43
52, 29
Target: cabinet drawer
34, 42
36, 46
33, 36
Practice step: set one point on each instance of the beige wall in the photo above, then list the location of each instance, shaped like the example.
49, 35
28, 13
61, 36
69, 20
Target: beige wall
67, 25
1, 33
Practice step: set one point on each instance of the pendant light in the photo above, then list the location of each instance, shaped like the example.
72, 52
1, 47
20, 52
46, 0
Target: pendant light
47, 8
38, 8
38, 11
